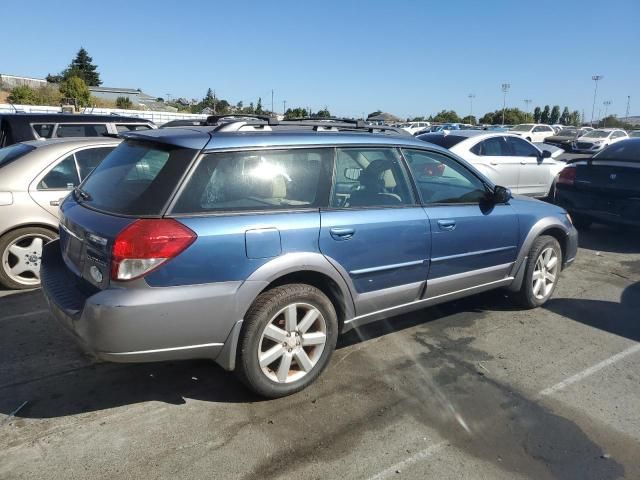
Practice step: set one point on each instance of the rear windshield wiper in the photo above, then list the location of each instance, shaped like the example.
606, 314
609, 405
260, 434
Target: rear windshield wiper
81, 194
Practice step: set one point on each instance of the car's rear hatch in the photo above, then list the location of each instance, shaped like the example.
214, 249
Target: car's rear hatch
137, 180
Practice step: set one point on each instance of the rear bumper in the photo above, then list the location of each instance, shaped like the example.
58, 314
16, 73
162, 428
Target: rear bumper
599, 208
140, 324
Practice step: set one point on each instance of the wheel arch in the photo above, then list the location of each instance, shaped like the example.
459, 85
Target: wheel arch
47, 226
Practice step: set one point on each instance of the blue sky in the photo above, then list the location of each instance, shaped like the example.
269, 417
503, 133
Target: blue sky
405, 57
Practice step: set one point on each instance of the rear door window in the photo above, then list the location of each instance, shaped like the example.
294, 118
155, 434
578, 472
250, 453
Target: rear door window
521, 148
137, 178
492, 147
256, 180
81, 130
64, 176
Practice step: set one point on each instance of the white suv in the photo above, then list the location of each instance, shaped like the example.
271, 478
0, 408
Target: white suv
533, 132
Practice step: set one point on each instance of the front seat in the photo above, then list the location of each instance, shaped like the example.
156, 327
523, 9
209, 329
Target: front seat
372, 191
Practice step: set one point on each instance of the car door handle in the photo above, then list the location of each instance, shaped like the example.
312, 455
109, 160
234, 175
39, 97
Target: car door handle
493, 163
342, 233
447, 225
54, 203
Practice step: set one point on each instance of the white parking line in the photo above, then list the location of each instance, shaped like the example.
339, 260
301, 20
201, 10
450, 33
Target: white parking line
398, 467
23, 315
590, 371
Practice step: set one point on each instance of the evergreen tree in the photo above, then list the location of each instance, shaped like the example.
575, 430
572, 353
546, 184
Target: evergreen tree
546, 114
565, 118
83, 68
555, 115
259, 110
537, 113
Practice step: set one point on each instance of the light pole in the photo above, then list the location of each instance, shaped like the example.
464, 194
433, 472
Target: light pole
284, 107
595, 78
272, 112
471, 97
606, 104
505, 89
527, 102
626, 115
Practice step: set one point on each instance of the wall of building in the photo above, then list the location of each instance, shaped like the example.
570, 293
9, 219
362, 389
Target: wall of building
12, 81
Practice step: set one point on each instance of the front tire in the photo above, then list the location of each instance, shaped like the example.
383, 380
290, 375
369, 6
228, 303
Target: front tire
542, 272
20, 256
288, 337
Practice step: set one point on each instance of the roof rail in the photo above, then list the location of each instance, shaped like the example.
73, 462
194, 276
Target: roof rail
215, 119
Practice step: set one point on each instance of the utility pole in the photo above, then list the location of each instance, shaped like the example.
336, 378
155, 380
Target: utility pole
595, 78
626, 115
272, 100
505, 89
471, 97
606, 104
214, 102
527, 102
284, 107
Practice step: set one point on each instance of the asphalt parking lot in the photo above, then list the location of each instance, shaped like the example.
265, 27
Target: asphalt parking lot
471, 389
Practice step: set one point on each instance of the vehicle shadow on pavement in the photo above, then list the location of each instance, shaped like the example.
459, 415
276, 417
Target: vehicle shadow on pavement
618, 318
611, 239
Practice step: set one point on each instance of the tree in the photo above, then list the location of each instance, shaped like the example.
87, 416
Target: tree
555, 115
565, 118
83, 68
208, 100
372, 114
575, 118
259, 110
546, 114
416, 119
222, 107
447, 116
293, 113
75, 88
124, 102
537, 114
23, 95
512, 116
470, 119
324, 113
54, 78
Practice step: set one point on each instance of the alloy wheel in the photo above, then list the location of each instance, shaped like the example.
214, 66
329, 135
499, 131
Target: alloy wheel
21, 259
292, 343
545, 273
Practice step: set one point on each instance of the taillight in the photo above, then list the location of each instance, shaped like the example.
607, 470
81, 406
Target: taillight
146, 244
567, 176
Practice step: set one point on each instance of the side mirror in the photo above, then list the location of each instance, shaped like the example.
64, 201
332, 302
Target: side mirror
546, 154
501, 194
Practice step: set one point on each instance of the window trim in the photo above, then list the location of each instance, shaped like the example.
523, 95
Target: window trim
323, 193
485, 181
403, 167
48, 170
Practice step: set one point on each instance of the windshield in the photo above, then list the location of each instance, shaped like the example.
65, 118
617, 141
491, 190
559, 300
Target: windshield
137, 178
597, 134
567, 132
522, 128
9, 154
626, 151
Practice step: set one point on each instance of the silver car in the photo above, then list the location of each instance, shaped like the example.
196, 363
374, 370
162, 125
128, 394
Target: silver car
34, 178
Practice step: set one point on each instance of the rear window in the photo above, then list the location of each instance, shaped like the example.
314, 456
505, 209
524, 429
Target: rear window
137, 178
255, 180
628, 151
44, 130
13, 152
446, 141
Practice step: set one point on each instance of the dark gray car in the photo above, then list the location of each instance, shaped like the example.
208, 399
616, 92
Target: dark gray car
565, 138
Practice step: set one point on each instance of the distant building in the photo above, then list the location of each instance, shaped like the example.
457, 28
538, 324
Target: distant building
12, 81
138, 98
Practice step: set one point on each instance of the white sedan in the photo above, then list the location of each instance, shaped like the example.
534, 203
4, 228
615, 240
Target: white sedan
414, 127
596, 140
505, 158
533, 132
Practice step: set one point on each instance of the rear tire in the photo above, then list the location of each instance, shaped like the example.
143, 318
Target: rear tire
542, 272
288, 337
20, 255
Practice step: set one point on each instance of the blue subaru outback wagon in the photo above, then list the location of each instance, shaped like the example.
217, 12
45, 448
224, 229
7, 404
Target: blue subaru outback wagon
255, 243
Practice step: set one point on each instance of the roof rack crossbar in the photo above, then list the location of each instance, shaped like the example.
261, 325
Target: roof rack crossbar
215, 119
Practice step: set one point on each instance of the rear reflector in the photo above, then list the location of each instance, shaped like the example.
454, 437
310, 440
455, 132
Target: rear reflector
146, 244
567, 175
